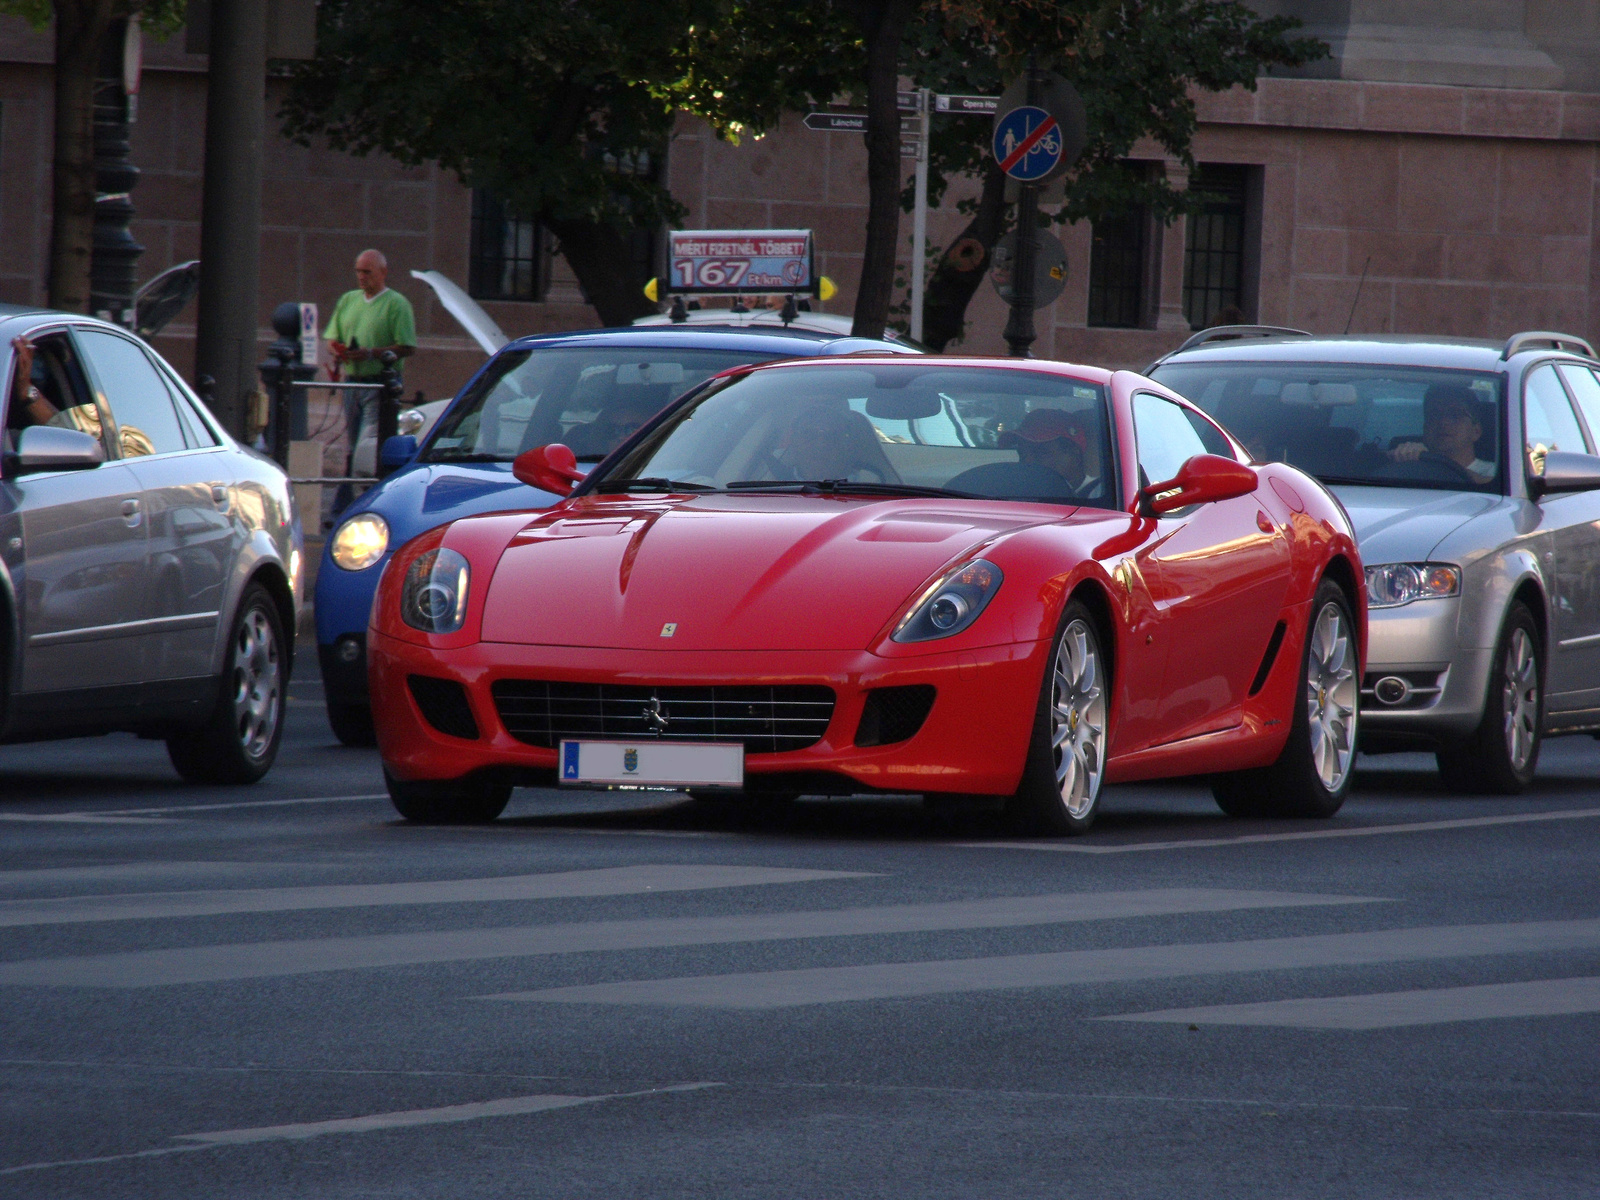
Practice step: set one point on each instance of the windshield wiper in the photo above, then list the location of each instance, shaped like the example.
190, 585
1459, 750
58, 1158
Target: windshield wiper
829, 487
650, 484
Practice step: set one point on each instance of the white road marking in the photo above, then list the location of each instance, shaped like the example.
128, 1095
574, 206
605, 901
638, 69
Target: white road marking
59, 877
889, 981
511, 1106
608, 881
82, 818
254, 960
1390, 1010
1080, 846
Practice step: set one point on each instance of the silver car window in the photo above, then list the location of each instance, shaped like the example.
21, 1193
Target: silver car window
1549, 423
1587, 390
136, 394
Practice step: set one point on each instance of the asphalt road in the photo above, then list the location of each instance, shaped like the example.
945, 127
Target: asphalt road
284, 991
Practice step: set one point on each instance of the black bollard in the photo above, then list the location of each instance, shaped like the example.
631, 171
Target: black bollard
388, 403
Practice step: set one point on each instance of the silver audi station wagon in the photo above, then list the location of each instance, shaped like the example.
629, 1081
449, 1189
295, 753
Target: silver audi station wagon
150, 566
1468, 470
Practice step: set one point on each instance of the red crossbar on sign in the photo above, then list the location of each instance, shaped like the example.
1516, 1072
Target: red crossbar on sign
1028, 144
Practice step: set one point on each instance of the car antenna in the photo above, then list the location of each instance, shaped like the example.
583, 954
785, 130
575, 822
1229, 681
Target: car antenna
679, 313
790, 309
1357, 300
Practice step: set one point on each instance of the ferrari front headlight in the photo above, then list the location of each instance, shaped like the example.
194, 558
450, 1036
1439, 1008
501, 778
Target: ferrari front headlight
434, 597
360, 541
954, 602
1390, 585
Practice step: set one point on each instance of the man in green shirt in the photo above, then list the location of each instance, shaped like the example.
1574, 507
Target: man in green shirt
370, 320
366, 322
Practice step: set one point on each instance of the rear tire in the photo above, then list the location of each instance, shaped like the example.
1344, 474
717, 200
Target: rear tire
469, 801
239, 741
1062, 774
1312, 774
1501, 755
352, 724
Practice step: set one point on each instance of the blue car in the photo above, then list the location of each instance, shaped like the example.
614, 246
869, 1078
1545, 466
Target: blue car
587, 390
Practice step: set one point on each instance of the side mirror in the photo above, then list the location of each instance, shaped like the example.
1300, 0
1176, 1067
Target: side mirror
551, 468
397, 452
1566, 471
1201, 480
49, 448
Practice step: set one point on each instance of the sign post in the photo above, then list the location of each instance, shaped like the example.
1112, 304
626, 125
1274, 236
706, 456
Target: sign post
919, 218
1039, 131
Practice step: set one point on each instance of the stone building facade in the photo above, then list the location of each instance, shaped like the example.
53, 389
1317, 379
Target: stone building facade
1437, 174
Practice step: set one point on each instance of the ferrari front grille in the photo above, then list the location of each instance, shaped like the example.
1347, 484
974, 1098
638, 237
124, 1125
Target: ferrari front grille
767, 720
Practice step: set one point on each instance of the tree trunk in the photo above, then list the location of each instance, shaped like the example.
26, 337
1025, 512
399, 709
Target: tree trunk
80, 32
602, 259
883, 25
962, 268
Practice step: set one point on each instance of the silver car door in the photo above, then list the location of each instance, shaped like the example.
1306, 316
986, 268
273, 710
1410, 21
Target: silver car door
83, 577
186, 502
1574, 654
1578, 565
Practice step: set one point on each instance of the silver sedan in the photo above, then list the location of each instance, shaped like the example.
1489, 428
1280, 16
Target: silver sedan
150, 566
1468, 471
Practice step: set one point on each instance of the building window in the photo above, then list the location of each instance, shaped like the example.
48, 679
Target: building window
510, 257
1214, 265
1117, 270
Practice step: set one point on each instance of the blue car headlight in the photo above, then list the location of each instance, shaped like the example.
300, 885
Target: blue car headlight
434, 597
954, 602
360, 541
1390, 585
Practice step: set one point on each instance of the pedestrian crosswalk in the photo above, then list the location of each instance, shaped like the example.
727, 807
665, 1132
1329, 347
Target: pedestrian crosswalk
1137, 953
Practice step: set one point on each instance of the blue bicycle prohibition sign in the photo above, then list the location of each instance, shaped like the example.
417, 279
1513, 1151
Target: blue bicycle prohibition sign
1027, 143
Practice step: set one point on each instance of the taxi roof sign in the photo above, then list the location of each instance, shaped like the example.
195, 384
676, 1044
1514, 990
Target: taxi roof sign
740, 262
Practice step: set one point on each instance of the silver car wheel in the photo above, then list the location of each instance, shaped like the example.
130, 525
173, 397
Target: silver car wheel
257, 678
1521, 706
1078, 719
1331, 694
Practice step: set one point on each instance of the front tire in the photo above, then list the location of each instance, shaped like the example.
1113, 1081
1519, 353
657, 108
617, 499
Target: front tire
1061, 777
1501, 755
239, 741
469, 801
1312, 774
352, 724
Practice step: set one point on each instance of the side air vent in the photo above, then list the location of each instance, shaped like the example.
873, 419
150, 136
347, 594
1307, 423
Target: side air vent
1267, 659
894, 714
444, 705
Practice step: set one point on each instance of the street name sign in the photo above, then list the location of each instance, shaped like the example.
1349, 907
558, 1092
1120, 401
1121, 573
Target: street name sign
983, 105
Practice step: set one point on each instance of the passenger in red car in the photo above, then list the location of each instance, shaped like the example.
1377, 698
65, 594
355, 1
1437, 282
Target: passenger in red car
824, 442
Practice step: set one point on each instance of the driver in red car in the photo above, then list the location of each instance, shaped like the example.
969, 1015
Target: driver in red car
1054, 440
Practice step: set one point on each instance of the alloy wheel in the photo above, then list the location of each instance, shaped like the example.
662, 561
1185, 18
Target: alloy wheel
1521, 703
1331, 693
257, 679
1078, 719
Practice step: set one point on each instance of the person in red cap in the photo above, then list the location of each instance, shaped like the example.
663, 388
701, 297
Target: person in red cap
1054, 440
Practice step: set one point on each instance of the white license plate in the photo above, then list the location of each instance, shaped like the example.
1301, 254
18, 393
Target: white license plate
653, 763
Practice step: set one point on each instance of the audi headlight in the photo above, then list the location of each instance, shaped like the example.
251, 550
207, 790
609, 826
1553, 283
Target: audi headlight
1390, 585
952, 603
360, 541
434, 598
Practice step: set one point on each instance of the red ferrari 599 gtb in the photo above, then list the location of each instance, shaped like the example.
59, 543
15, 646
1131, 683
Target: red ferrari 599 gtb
953, 577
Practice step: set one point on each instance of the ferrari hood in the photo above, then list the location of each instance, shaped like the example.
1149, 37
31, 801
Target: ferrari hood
1405, 524
728, 572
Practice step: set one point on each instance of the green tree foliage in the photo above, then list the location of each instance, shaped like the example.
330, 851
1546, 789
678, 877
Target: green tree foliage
1136, 65
562, 110
82, 29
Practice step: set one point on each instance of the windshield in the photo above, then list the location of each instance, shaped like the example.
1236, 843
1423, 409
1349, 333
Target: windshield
588, 398
908, 428
1364, 424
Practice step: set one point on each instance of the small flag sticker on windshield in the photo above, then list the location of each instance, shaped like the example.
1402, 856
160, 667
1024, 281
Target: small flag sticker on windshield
670, 628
